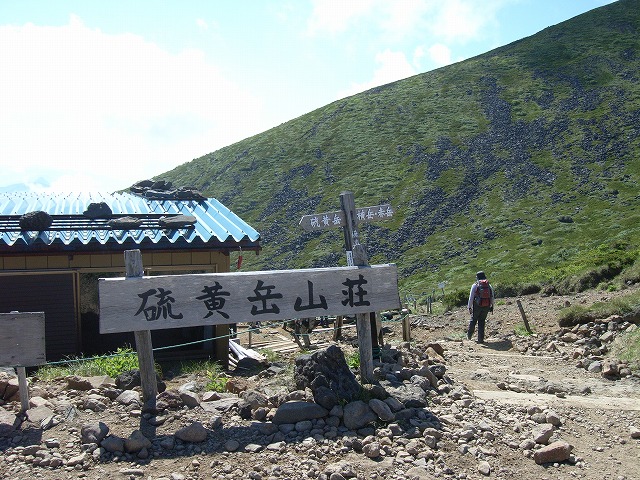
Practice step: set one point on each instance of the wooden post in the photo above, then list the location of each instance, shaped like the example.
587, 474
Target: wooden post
337, 328
524, 317
24, 388
144, 347
406, 329
357, 256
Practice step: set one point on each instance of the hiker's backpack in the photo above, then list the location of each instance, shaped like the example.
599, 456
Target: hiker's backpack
483, 294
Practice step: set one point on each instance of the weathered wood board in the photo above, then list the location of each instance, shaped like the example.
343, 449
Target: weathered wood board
171, 301
22, 341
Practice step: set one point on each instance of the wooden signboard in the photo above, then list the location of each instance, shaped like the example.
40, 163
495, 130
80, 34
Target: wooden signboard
322, 221
22, 339
171, 301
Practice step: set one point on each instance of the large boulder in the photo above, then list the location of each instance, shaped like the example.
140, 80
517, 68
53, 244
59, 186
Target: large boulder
327, 369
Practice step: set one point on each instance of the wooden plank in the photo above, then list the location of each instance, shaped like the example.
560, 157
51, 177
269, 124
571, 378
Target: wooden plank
171, 301
22, 339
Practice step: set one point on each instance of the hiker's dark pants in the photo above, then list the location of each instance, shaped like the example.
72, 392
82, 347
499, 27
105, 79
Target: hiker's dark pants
479, 316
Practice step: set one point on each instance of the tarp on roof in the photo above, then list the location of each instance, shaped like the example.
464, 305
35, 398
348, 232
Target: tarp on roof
215, 227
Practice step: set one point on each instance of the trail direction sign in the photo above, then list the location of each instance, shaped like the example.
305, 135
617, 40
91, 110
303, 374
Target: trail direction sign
321, 221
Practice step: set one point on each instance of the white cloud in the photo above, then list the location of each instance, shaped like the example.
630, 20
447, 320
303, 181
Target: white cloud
440, 55
334, 16
461, 21
202, 24
81, 105
393, 66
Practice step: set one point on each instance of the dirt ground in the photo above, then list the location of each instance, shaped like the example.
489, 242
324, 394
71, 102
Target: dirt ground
597, 424
597, 414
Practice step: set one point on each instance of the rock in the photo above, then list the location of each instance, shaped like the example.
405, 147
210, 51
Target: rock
382, 410
293, 412
98, 210
438, 370
94, 404
427, 372
418, 473
136, 442
556, 452
131, 379
190, 399
634, 432
75, 382
125, 223
38, 414
325, 397
9, 422
177, 221
39, 402
35, 221
553, 418
192, 433
76, 460
254, 398
113, 444
595, 366
237, 385
343, 468
357, 415
484, 468
610, 368
231, 445
169, 399
372, 450
93, 432
607, 337
129, 397
327, 368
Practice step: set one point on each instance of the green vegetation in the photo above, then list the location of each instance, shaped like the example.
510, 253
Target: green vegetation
577, 314
269, 354
122, 360
353, 360
523, 162
521, 330
627, 349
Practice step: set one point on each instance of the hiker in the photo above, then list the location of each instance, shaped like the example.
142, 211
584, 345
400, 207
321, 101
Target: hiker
480, 304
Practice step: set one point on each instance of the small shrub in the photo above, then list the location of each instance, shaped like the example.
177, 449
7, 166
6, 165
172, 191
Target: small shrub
516, 289
627, 349
521, 330
123, 360
217, 379
217, 384
353, 360
574, 315
631, 275
269, 354
457, 298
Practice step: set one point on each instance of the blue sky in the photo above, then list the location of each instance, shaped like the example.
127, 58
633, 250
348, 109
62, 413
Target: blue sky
96, 95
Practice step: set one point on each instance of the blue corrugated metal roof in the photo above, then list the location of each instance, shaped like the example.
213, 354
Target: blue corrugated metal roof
215, 225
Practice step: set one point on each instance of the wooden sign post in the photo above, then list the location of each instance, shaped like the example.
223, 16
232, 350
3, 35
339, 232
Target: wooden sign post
140, 304
144, 346
22, 344
348, 218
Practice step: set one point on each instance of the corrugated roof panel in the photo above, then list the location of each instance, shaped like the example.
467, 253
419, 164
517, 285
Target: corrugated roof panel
215, 223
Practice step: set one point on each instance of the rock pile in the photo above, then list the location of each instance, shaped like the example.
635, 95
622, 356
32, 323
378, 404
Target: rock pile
415, 422
587, 344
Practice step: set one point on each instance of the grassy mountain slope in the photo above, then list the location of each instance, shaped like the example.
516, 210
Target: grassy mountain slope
524, 162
